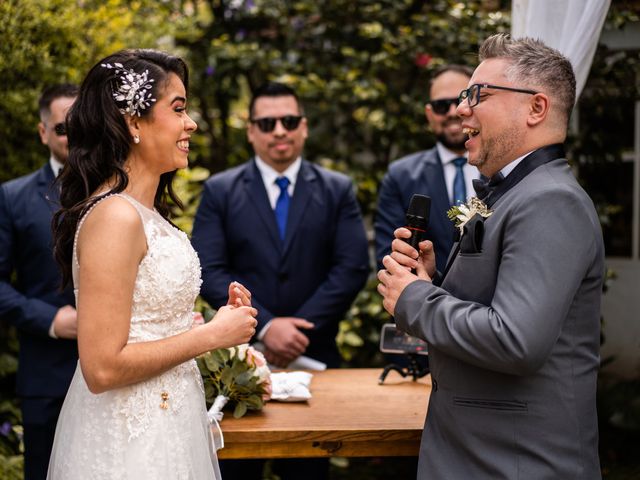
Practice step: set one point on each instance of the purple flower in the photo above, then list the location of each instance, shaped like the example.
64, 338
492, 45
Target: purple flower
297, 23
210, 70
5, 429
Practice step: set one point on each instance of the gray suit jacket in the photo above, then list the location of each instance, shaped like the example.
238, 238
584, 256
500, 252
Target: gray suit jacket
513, 339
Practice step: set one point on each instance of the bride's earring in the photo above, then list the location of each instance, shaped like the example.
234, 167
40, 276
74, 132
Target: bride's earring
136, 139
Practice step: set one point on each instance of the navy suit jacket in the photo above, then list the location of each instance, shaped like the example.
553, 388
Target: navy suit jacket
421, 173
314, 274
27, 204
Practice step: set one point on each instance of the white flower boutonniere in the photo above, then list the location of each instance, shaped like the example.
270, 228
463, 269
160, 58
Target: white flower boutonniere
461, 214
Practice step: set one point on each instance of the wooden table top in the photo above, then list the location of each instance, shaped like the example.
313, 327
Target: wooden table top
349, 414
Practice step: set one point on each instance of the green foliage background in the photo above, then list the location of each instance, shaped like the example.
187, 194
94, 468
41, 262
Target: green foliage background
361, 67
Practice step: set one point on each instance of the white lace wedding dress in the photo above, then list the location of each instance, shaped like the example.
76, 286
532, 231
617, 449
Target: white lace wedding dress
158, 428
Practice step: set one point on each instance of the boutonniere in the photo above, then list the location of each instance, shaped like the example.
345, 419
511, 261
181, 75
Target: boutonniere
461, 214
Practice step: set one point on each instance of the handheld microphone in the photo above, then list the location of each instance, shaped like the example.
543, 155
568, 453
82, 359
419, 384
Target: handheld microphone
417, 218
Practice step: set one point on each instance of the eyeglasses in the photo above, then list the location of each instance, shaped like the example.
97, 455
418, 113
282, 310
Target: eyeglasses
60, 129
267, 124
472, 94
442, 106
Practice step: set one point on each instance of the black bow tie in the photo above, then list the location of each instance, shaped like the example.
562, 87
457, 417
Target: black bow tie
484, 186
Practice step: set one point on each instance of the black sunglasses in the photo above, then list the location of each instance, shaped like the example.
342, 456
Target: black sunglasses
60, 129
442, 106
267, 124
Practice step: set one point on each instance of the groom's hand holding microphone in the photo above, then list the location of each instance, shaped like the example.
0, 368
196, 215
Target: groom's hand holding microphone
411, 257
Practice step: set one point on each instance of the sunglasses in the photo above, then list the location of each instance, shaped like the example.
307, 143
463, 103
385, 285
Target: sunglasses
267, 124
60, 129
442, 106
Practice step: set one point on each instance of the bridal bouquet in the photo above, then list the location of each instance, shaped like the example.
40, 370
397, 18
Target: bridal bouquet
236, 376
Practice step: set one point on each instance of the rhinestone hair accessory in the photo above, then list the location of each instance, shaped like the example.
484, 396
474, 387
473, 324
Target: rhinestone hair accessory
134, 89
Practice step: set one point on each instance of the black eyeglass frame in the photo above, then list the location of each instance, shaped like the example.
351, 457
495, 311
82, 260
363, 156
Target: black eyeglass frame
446, 102
60, 129
268, 124
466, 93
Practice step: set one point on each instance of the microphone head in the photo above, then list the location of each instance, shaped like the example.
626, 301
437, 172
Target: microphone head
418, 210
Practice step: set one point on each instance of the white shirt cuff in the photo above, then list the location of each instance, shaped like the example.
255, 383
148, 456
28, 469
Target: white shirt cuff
52, 332
263, 332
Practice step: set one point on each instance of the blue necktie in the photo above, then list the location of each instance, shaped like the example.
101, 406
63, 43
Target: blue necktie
282, 205
459, 187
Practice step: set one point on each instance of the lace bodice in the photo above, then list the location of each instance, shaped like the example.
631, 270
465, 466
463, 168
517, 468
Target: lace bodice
166, 286
168, 279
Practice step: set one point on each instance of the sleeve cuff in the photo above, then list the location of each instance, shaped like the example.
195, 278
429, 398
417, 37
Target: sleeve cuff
52, 332
263, 331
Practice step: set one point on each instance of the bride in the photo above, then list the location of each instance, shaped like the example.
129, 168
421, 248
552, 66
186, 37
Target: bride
135, 408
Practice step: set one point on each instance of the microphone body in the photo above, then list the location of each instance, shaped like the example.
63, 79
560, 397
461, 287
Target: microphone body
417, 218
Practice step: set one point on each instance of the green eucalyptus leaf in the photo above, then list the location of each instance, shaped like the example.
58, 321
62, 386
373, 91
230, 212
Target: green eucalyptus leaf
244, 378
226, 377
240, 410
254, 402
212, 361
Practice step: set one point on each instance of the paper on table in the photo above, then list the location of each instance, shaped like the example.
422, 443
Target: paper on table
301, 363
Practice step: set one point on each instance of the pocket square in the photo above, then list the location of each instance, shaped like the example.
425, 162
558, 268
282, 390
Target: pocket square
472, 235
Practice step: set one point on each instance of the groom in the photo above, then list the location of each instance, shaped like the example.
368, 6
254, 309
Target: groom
513, 328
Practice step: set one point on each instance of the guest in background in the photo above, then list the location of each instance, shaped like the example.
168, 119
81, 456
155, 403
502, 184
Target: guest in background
441, 172
45, 316
290, 231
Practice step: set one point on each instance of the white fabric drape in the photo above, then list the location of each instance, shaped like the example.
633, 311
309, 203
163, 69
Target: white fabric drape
570, 26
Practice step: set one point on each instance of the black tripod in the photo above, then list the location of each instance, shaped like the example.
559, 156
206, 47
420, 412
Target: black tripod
414, 369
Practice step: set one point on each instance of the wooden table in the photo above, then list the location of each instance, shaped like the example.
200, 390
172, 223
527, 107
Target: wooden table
350, 415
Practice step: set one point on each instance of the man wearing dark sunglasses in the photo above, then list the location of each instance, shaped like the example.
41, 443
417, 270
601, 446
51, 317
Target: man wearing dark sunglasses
440, 172
292, 233
44, 317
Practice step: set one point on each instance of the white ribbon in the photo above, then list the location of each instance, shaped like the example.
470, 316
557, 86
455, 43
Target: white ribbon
215, 415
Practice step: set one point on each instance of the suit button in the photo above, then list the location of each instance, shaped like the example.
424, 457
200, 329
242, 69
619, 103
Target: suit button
283, 276
434, 385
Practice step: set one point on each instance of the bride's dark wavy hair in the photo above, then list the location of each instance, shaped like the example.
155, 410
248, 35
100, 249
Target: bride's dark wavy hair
100, 141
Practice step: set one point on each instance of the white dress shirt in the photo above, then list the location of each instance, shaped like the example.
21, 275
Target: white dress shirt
56, 166
507, 169
270, 174
450, 170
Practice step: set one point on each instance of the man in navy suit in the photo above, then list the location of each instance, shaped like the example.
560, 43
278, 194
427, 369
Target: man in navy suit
441, 172
44, 316
292, 233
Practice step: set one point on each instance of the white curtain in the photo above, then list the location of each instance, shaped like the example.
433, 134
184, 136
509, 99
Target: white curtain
570, 26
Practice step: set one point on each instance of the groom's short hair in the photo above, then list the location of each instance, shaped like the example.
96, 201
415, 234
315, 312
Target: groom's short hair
535, 65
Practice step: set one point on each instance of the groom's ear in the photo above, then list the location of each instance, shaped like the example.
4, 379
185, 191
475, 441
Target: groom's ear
539, 106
